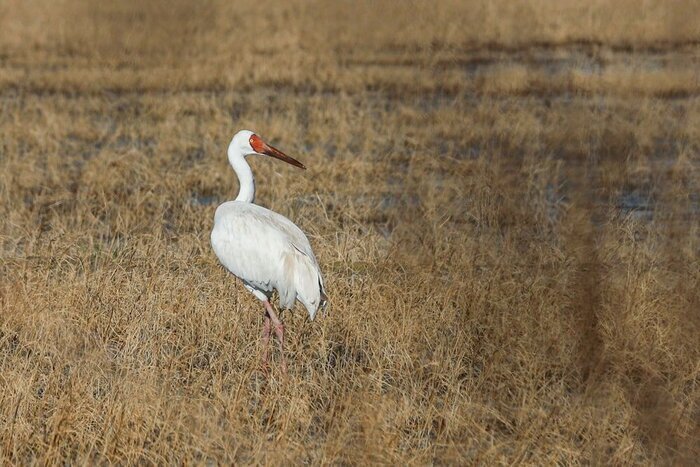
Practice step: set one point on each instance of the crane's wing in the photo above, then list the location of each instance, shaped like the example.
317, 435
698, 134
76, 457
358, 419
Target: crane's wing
268, 251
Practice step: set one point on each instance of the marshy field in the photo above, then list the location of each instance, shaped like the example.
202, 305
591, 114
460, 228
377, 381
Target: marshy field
504, 198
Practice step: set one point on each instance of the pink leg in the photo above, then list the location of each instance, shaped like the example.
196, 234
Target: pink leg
266, 340
279, 331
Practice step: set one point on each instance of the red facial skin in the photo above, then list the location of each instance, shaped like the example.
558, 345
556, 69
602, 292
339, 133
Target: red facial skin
261, 147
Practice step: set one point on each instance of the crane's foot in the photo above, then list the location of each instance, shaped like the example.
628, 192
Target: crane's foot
279, 331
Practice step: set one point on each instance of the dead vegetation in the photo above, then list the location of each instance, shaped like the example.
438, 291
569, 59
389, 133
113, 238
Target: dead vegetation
504, 198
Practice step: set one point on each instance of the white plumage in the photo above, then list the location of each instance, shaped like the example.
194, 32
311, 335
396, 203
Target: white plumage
264, 249
268, 252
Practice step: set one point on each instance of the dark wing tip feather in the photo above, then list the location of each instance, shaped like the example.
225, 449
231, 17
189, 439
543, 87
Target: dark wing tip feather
324, 297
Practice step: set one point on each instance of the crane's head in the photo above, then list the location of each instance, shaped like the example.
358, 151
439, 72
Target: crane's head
245, 142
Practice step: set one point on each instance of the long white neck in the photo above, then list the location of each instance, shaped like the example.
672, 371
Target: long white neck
246, 193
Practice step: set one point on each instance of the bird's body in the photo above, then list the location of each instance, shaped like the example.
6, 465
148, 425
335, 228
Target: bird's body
264, 249
268, 252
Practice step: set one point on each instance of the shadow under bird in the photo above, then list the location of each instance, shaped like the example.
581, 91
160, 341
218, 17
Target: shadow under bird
264, 249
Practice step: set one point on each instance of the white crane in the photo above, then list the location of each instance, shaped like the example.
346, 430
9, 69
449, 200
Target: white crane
264, 249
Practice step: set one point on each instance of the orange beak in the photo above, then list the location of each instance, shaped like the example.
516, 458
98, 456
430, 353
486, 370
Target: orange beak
261, 147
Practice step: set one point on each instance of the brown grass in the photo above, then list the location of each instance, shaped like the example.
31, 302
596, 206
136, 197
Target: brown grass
504, 198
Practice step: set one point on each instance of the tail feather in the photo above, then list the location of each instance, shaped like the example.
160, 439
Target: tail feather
308, 285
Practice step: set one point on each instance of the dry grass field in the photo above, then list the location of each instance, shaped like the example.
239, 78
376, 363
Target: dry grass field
504, 198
